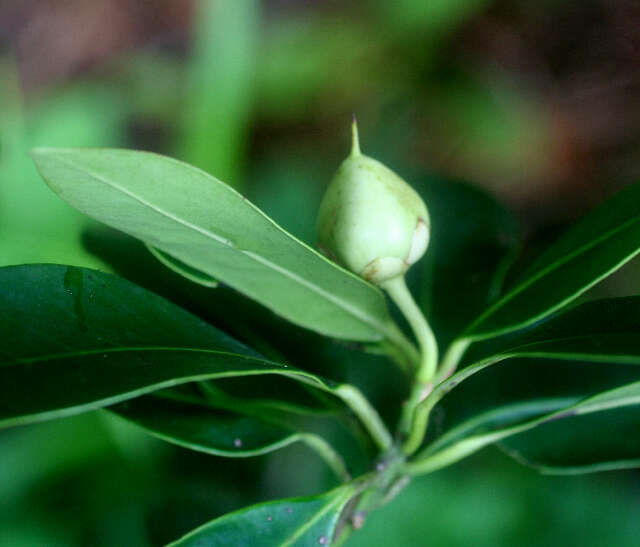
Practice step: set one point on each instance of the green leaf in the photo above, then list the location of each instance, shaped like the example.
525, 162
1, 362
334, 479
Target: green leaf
606, 330
603, 241
603, 331
77, 339
623, 401
183, 269
207, 225
498, 417
308, 521
462, 270
601, 441
520, 389
248, 321
194, 424
241, 427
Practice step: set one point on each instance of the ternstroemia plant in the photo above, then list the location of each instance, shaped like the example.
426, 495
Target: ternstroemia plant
77, 339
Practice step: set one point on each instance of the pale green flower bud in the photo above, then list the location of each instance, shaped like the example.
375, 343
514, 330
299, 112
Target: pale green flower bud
371, 220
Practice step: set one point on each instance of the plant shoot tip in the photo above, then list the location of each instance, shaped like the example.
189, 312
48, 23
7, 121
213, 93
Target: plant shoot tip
355, 139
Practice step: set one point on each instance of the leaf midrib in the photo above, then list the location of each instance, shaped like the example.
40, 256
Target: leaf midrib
302, 529
254, 256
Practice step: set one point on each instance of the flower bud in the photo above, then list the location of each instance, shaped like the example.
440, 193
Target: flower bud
371, 220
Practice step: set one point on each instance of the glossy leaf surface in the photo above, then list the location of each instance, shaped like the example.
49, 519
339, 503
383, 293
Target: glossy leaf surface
300, 522
239, 427
625, 451
204, 223
601, 441
607, 330
603, 331
198, 426
599, 244
76, 339
271, 335
520, 389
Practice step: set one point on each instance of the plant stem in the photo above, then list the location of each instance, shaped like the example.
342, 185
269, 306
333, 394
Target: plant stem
399, 293
450, 455
422, 386
368, 415
418, 427
423, 408
452, 357
347, 393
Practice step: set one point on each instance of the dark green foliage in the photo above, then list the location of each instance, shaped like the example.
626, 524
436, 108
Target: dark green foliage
545, 387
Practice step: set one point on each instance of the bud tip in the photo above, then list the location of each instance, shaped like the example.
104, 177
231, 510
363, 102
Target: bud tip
355, 140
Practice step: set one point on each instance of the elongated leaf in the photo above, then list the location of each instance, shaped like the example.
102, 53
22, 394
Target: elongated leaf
223, 307
229, 426
300, 522
204, 223
605, 331
601, 441
76, 339
602, 242
590, 332
250, 322
200, 427
519, 389
625, 452
498, 417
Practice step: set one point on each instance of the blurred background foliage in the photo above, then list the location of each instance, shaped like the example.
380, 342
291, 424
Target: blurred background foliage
534, 101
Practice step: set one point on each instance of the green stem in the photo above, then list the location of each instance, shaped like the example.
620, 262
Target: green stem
423, 408
347, 393
451, 358
450, 455
418, 427
368, 415
399, 293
